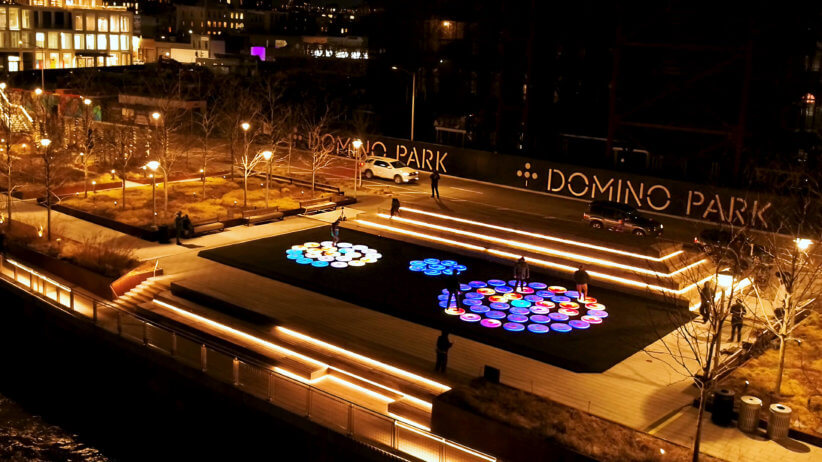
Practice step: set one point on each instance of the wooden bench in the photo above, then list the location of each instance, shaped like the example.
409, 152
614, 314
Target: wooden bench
262, 215
205, 227
317, 205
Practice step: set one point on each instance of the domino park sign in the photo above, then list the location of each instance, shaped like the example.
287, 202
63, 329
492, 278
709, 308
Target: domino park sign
701, 202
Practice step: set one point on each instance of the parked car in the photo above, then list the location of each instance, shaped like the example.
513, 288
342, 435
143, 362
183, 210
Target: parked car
725, 244
615, 216
389, 169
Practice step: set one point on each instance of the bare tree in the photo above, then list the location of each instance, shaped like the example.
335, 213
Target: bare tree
54, 157
207, 121
315, 125
238, 105
248, 160
122, 139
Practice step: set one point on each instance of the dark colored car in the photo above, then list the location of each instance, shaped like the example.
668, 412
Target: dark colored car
722, 243
615, 216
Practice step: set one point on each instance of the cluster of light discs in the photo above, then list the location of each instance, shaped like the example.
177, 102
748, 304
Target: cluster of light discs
436, 267
536, 307
326, 254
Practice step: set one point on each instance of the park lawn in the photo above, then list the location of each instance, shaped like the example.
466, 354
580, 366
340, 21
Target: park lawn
223, 200
801, 382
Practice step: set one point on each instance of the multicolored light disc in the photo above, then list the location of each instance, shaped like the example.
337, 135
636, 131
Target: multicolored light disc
513, 327
326, 255
428, 267
490, 323
538, 328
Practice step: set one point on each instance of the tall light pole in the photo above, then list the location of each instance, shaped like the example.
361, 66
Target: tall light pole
267, 156
245, 126
357, 145
83, 157
45, 142
413, 94
7, 141
153, 165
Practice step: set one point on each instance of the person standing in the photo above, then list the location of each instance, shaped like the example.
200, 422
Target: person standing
737, 317
335, 231
395, 207
435, 184
443, 345
582, 279
521, 273
705, 303
178, 226
188, 227
454, 289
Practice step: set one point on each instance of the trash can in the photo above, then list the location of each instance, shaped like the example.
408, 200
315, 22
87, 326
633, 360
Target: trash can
162, 234
779, 421
749, 408
723, 410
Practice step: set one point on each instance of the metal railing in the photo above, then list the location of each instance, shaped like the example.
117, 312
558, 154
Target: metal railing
292, 394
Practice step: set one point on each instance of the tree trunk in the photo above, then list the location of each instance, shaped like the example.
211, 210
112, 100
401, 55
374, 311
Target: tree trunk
245, 189
165, 192
85, 179
124, 188
703, 394
780, 369
8, 191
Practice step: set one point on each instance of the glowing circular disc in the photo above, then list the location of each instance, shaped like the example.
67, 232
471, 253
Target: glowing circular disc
540, 310
375, 256
520, 311
416, 268
576, 324
560, 327
598, 313
460, 268
470, 317
370, 251
499, 306
495, 315
589, 300
417, 263
497, 298
432, 272
513, 296
454, 311
533, 298
557, 289
442, 297
595, 306
319, 264
369, 259
538, 328
471, 302
490, 323
443, 303
520, 303
465, 287
431, 261
345, 244
541, 319
592, 319
496, 282
353, 255
479, 309
525, 290
345, 258
504, 289
545, 304
360, 247
560, 298
304, 261
568, 312
327, 258
486, 291
537, 285
327, 244
294, 256
339, 264
513, 327
571, 293
312, 244
477, 284
544, 293
569, 305
448, 263
517, 318
436, 267
558, 317
473, 295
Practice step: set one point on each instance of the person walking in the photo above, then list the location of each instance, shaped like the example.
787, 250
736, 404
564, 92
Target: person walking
454, 291
705, 303
178, 226
188, 227
435, 184
335, 231
582, 279
737, 317
443, 345
521, 273
395, 207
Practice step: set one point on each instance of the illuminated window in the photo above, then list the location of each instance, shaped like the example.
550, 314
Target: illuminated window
114, 23
53, 59
124, 39
14, 18
78, 42
65, 40
14, 63
125, 24
78, 22
67, 60
102, 23
114, 42
40, 39
3, 41
90, 42
101, 42
25, 39
3, 17
14, 41
90, 21
54, 40
26, 19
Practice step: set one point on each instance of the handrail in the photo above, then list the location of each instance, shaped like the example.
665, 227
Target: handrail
209, 344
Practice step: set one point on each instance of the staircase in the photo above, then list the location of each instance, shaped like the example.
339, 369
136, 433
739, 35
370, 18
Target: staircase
14, 115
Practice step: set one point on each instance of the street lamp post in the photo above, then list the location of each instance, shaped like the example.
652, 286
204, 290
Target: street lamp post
413, 94
153, 165
45, 142
83, 156
203, 178
267, 156
357, 145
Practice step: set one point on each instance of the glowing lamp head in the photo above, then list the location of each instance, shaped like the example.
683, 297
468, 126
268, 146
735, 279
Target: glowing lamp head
267, 155
155, 115
446, 24
245, 126
45, 142
725, 279
87, 101
153, 165
2, 85
357, 144
38, 91
394, 68
803, 244
93, 182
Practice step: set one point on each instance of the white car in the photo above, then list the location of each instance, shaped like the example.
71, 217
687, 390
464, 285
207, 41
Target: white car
390, 169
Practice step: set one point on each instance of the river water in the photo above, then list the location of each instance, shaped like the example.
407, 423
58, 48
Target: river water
26, 437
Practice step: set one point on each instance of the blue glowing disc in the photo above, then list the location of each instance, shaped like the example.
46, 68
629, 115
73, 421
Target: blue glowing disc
293, 252
496, 282
446, 291
448, 263
460, 268
436, 267
533, 298
471, 302
520, 311
495, 315
560, 298
512, 282
473, 295
577, 324
541, 319
537, 285
319, 264
513, 327
538, 309
416, 263
517, 318
479, 309
572, 293
545, 293
504, 289
560, 327
477, 284
443, 304
304, 261
431, 261
432, 272
294, 256
500, 306
448, 272
538, 328
598, 313
558, 317
442, 297
416, 268
520, 303
465, 287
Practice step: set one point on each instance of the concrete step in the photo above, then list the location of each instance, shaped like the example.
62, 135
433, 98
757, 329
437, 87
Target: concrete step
409, 410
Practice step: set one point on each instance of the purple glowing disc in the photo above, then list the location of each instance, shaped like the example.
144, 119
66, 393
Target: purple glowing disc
520, 311
560, 298
470, 317
496, 282
544, 293
477, 284
540, 319
500, 306
558, 317
576, 324
465, 287
598, 313
540, 310
471, 302
513, 327
473, 295
518, 318
538, 328
490, 323
479, 309
495, 315
533, 298
560, 327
